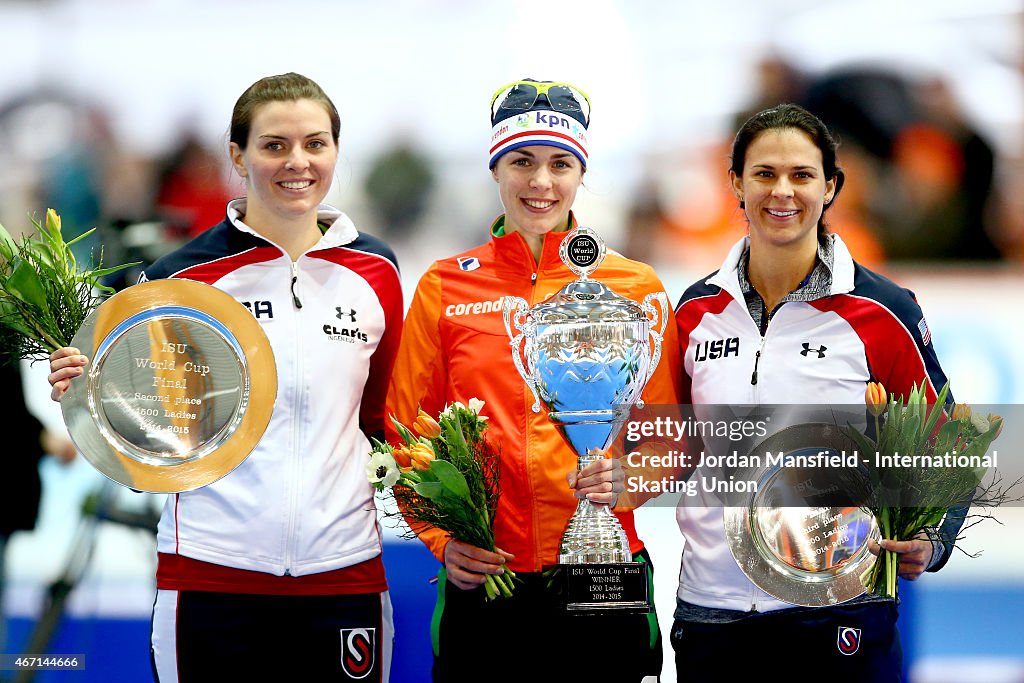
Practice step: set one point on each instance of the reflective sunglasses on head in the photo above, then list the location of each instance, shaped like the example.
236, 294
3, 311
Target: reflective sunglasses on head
520, 96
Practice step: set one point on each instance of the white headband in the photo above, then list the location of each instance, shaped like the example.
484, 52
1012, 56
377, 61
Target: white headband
539, 127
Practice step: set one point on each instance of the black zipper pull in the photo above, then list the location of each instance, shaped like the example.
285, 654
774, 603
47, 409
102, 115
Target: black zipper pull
295, 298
757, 359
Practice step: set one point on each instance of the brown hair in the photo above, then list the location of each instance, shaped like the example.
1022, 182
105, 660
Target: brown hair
284, 88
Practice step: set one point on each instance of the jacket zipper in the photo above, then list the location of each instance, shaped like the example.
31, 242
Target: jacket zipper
295, 281
528, 399
753, 381
294, 456
757, 361
763, 329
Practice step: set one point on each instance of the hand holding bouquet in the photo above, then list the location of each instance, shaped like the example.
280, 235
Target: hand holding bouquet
924, 463
447, 477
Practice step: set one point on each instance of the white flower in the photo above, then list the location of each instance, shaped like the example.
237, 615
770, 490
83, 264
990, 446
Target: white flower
450, 408
382, 470
476, 405
980, 422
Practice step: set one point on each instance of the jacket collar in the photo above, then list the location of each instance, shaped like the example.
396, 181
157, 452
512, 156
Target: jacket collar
727, 277
340, 228
512, 250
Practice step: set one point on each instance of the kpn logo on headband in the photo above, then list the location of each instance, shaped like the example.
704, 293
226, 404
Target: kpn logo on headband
555, 120
539, 127
545, 120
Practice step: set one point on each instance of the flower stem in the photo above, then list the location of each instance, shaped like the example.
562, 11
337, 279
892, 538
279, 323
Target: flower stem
54, 344
489, 587
893, 564
885, 522
503, 585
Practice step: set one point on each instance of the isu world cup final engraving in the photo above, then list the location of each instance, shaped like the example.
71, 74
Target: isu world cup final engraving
180, 386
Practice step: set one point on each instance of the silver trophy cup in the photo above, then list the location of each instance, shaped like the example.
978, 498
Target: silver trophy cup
586, 353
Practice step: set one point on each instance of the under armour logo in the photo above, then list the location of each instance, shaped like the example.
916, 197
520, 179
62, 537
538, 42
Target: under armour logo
351, 314
807, 349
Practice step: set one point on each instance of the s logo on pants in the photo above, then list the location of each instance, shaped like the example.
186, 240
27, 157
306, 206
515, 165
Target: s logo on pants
848, 640
358, 651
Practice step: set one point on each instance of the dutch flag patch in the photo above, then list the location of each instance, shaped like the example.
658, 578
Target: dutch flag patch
468, 263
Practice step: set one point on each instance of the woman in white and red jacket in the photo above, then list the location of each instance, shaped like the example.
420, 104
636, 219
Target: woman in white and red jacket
799, 321
276, 568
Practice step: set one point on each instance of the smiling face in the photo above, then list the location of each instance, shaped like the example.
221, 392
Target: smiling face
537, 185
784, 188
288, 161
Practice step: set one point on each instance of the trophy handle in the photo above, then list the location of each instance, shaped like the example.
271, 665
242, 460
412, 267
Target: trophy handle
654, 316
514, 310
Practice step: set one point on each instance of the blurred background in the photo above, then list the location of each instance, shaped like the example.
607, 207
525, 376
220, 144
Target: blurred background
116, 113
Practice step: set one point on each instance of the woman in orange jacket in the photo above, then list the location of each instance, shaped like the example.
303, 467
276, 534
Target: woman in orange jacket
455, 347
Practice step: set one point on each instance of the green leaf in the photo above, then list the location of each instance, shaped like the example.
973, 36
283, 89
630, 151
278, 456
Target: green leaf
451, 478
6, 240
937, 410
45, 253
13, 321
101, 273
24, 283
48, 297
80, 237
406, 435
980, 445
48, 270
430, 489
911, 430
864, 444
426, 475
892, 428
946, 437
453, 430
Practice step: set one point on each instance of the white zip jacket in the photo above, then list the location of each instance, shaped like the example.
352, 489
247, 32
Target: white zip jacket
300, 503
822, 351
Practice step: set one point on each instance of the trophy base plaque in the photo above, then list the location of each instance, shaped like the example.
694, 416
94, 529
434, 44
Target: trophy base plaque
618, 586
595, 570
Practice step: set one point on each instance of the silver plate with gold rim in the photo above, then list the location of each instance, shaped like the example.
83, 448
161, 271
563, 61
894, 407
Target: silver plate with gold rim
179, 390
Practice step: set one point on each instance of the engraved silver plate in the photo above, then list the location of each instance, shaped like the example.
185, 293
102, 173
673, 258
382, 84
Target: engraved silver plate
802, 537
180, 387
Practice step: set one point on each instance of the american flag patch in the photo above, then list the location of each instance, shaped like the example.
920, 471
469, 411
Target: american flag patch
926, 334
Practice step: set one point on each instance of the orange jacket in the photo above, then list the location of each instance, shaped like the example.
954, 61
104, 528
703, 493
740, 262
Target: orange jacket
455, 347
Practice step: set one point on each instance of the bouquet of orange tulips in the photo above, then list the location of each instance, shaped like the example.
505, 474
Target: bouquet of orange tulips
924, 462
444, 474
